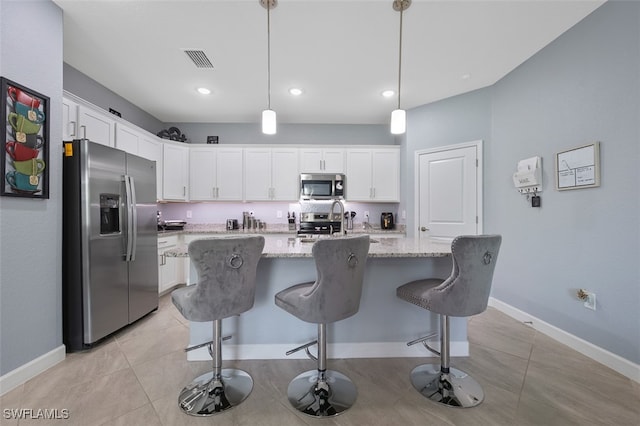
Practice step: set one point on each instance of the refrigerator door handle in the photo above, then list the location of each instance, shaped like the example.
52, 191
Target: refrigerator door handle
134, 214
128, 257
132, 219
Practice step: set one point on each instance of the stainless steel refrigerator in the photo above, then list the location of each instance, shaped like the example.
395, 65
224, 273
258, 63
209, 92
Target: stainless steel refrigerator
110, 246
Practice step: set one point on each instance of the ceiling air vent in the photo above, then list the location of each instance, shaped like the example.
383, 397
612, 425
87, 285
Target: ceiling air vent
199, 58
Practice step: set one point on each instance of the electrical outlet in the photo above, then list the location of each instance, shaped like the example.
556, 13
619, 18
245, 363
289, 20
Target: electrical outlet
279, 214
189, 214
590, 302
404, 214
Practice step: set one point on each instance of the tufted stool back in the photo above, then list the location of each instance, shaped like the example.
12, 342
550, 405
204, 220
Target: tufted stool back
226, 269
466, 291
335, 295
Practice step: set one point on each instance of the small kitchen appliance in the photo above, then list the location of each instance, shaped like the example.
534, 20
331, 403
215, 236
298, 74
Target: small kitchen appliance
386, 221
322, 186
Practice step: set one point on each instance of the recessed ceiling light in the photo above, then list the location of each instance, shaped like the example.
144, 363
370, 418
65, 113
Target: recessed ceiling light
295, 91
388, 93
466, 76
204, 90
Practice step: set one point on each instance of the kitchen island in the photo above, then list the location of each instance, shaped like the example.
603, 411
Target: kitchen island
381, 327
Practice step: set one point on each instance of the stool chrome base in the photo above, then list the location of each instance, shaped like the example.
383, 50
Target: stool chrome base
206, 396
318, 394
455, 389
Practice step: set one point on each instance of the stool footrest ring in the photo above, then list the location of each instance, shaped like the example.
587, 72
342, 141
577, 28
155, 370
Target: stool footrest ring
423, 340
209, 343
306, 347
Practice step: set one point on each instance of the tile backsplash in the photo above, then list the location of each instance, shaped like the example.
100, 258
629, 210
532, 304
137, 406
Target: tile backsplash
219, 212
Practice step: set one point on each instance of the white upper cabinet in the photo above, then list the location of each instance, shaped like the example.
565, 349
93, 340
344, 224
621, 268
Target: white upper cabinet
150, 147
127, 138
373, 174
322, 160
69, 120
229, 174
96, 126
271, 174
202, 174
175, 175
215, 173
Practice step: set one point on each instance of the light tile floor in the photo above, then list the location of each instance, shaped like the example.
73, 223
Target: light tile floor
134, 379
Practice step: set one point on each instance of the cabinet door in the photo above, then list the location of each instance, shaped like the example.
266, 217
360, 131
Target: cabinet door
168, 270
359, 186
202, 174
150, 148
96, 126
285, 175
175, 178
257, 174
310, 160
127, 139
385, 175
323, 160
229, 174
69, 120
333, 160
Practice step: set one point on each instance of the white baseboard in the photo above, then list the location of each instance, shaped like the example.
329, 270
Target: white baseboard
20, 375
334, 351
603, 356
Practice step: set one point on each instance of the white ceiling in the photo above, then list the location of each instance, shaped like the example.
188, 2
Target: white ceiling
343, 54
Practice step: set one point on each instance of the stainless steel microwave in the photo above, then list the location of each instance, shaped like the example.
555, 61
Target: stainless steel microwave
322, 186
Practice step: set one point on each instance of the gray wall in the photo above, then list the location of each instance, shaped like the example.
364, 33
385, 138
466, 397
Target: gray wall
316, 134
30, 260
459, 119
584, 87
88, 89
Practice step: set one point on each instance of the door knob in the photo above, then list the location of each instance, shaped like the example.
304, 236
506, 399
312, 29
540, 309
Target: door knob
424, 228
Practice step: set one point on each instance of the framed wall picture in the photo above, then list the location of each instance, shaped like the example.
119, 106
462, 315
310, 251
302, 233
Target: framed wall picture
578, 168
24, 159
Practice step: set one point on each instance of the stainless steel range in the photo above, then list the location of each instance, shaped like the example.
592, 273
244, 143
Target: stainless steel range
319, 223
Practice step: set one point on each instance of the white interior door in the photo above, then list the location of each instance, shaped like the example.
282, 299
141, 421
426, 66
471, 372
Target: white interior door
449, 196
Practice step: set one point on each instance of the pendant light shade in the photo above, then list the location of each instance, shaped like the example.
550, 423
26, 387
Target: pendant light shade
269, 122
398, 121
399, 116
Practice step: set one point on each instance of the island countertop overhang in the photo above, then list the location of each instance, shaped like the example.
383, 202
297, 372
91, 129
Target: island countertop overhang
279, 246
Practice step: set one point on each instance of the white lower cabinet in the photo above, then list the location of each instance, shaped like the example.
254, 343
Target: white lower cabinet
170, 272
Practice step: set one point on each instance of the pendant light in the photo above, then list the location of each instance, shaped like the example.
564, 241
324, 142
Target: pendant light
269, 123
399, 116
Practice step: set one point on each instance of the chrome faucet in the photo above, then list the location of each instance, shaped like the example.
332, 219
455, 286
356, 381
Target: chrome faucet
333, 205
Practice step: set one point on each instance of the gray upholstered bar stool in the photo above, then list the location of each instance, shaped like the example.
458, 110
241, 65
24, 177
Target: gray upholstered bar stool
464, 293
226, 269
335, 295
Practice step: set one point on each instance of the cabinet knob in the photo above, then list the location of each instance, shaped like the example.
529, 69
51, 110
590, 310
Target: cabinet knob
424, 228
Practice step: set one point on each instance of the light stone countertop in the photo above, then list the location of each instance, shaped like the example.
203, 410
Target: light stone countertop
295, 247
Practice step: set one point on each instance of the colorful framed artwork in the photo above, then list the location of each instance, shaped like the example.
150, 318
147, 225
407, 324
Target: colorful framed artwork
24, 159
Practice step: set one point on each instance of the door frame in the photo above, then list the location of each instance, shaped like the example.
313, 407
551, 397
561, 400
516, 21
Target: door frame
478, 144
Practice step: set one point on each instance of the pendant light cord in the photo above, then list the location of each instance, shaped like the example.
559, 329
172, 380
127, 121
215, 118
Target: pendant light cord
400, 55
268, 54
